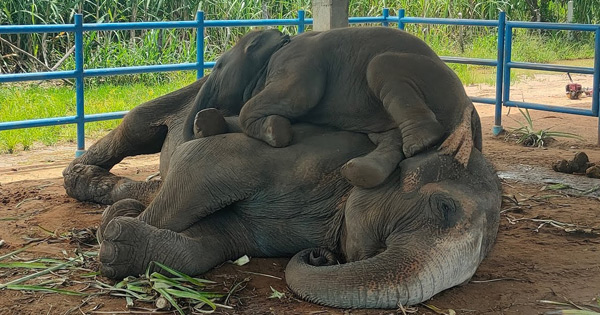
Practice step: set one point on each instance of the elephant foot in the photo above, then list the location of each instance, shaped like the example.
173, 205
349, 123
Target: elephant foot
419, 136
277, 131
368, 171
123, 208
209, 122
91, 183
374, 168
130, 245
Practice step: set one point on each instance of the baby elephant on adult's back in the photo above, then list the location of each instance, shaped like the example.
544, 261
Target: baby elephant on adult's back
380, 81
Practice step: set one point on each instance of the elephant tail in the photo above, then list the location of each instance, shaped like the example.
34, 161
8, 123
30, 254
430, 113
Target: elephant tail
387, 280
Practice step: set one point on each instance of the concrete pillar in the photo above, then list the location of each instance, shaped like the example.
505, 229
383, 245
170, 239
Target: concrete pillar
328, 14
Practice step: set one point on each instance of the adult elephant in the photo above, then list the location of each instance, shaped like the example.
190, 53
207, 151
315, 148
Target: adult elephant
375, 80
424, 230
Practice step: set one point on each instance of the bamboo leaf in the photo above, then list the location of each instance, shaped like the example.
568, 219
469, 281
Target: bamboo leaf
43, 289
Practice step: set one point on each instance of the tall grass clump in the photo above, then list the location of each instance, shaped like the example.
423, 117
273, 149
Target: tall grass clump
121, 48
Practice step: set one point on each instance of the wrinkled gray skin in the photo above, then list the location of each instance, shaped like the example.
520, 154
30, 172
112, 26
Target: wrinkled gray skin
424, 230
152, 127
380, 81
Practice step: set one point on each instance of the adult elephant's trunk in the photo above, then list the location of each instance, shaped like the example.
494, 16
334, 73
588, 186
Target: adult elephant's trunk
399, 275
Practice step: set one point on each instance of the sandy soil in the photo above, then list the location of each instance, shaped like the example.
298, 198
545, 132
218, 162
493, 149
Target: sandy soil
531, 261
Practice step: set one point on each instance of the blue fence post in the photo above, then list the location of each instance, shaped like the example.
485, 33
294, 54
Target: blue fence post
400, 17
386, 14
596, 86
497, 128
507, 59
199, 44
301, 23
79, 95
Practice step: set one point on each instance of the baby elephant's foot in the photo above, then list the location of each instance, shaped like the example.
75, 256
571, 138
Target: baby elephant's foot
130, 245
419, 136
209, 122
122, 208
91, 183
277, 131
364, 172
374, 168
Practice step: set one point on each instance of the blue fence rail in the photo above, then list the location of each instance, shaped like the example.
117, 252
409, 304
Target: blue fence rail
503, 62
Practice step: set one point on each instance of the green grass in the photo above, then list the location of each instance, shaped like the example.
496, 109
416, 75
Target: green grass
21, 102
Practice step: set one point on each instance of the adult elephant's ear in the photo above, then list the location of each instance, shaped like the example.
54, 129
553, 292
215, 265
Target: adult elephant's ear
464, 137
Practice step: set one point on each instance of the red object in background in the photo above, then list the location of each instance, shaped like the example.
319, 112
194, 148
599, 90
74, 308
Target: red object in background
574, 90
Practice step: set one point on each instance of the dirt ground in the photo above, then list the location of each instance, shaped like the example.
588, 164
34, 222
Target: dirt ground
534, 260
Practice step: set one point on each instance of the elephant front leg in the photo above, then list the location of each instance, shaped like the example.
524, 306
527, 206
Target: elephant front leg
374, 168
130, 246
402, 98
289, 95
96, 184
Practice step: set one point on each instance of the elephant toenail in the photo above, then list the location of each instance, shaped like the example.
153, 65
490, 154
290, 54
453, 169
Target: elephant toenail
108, 252
112, 231
108, 272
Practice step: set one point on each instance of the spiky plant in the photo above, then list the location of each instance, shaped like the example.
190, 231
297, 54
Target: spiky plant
527, 135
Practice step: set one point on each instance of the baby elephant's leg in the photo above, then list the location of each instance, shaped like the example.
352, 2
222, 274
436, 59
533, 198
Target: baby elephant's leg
293, 93
374, 168
396, 80
211, 122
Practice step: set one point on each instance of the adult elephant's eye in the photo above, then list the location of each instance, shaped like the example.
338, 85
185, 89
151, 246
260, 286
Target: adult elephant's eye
445, 209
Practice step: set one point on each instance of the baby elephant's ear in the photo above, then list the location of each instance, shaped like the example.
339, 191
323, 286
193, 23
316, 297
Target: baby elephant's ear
460, 142
252, 45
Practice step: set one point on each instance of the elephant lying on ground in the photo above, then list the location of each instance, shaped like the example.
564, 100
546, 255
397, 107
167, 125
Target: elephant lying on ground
424, 230
375, 80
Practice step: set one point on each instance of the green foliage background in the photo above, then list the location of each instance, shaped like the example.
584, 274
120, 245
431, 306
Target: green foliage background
114, 49
22, 101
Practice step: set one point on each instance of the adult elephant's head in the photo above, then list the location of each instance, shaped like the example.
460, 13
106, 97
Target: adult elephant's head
426, 229
236, 74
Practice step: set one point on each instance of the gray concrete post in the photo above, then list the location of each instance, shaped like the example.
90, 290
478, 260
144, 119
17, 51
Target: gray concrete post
328, 14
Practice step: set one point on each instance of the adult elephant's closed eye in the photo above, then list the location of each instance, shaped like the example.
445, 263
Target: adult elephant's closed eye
446, 209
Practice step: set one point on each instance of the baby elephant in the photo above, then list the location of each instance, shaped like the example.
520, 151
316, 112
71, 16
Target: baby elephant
380, 81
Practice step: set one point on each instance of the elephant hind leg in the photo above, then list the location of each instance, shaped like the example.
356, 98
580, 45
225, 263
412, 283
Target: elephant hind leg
123, 208
130, 245
395, 80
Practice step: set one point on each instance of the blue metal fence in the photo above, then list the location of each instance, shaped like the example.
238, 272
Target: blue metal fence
503, 62
498, 62
509, 64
